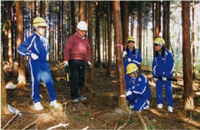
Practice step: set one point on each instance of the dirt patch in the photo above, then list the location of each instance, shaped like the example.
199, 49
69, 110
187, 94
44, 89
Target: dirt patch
99, 111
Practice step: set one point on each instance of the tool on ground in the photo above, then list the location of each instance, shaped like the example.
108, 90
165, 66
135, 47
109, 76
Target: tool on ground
67, 72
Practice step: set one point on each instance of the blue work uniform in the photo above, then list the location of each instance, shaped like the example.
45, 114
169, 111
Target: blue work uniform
38, 68
138, 93
163, 67
136, 59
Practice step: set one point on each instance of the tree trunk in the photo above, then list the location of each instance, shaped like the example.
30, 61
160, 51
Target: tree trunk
82, 11
10, 42
90, 30
73, 21
35, 9
62, 32
193, 45
59, 31
21, 65
166, 20
140, 31
4, 105
42, 9
125, 21
5, 30
50, 34
153, 25
187, 72
157, 18
98, 43
119, 59
109, 39
132, 24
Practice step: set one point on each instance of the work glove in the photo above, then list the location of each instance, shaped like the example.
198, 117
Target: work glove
124, 53
90, 64
155, 79
129, 59
128, 93
47, 56
34, 56
65, 63
164, 78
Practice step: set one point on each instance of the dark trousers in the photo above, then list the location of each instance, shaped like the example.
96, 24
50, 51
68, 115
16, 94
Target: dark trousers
77, 70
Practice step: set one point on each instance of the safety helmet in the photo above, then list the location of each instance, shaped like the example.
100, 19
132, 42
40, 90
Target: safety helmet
159, 41
82, 25
39, 21
131, 38
131, 68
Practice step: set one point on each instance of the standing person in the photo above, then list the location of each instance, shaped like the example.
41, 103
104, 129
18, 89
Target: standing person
37, 48
76, 54
162, 66
131, 55
138, 93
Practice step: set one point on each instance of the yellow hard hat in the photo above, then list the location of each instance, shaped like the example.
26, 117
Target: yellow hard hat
131, 68
39, 21
159, 41
131, 38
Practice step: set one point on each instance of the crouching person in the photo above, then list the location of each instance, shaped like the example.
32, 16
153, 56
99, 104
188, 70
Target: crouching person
138, 91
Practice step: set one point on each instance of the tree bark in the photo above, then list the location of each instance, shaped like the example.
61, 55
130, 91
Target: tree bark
4, 105
10, 59
119, 60
140, 31
125, 21
59, 31
90, 30
42, 9
193, 45
157, 18
98, 43
35, 9
109, 39
21, 65
50, 34
73, 21
187, 72
82, 11
166, 20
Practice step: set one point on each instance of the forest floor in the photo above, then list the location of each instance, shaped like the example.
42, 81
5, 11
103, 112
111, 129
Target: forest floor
100, 110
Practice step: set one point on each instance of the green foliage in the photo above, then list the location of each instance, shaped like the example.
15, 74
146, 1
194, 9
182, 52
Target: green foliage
121, 123
131, 120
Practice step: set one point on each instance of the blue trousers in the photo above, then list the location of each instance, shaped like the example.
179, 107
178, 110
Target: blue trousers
41, 71
168, 91
138, 102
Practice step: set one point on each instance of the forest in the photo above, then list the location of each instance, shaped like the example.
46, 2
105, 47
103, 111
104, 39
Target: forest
110, 24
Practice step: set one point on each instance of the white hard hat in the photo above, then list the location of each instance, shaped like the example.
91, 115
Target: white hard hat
82, 25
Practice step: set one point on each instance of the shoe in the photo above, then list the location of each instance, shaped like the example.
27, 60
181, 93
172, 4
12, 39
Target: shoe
131, 106
82, 98
170, 109
38, 106
160, 106
54, 104
75, 100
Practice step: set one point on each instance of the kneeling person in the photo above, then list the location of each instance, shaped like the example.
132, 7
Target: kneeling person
138, 91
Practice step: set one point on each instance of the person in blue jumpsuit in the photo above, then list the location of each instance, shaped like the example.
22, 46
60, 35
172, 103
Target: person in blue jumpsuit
138, 93
131, 55
37, 48
162, 66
